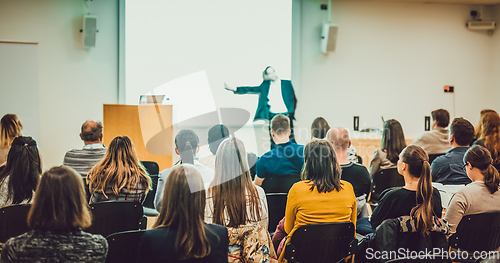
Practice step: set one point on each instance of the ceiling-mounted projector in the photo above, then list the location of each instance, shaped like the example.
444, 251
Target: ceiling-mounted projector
481, 25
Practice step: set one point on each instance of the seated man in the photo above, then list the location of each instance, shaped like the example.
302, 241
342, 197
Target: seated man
447, 169
82, 160
285, 156
436, 141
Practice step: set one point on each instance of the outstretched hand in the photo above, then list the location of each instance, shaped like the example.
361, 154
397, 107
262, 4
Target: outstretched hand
227, 87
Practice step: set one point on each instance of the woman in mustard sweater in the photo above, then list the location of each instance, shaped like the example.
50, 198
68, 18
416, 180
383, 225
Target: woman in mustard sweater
321, 197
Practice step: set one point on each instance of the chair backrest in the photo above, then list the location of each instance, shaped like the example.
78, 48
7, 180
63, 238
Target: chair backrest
383, 179
151, 167
122, 246
432, 157
479, 232
280, 184
276, 203
150, 197
430, 259
115, 216
13, 221
321, 243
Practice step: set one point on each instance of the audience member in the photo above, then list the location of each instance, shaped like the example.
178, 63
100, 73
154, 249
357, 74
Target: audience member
235, 202
322, 197
447, 169
186, 146
479, 128
436, 141
393, 142
216, 135
179, 234
490, 135
120, 175
417, 198
320, 127
10, 128
20, 177
57, 216
480, 196
82, 160
285, 157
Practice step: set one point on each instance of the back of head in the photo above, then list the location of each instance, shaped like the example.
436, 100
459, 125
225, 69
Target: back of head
478, 129
23, 169
119, 168
393, 140
216, 135
186, 142
339, 138
60, 202
479, 157
184, 210
91, 131
442, 117
280, 124
463, 131
10, 128
321, 166
491, 134
418, 166
232, 188
319, 128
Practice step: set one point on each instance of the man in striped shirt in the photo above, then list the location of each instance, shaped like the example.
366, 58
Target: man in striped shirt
82, 160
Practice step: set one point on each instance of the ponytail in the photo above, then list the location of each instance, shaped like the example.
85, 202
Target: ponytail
187, 155
480, 157
491, 178
423, 211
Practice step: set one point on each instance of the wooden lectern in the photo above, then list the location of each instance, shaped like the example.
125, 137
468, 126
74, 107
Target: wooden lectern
149, 126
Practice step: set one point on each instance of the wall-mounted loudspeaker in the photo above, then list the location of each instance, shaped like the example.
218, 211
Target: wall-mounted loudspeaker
89, 30
328, 37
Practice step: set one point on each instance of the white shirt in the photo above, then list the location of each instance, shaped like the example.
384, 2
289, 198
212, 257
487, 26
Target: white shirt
276, 98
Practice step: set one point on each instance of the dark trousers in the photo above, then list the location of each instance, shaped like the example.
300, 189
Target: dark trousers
292, 136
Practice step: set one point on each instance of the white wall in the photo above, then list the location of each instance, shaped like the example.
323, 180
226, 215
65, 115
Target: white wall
392, 60
496, 58
74, 82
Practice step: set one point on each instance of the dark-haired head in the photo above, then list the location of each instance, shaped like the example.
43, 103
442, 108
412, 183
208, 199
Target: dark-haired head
91, 131
216, 135
186, 145
321, 166
480, 158
462, 132
10, 128
393, 139
319, 128
60, 202
23, 169
441, 118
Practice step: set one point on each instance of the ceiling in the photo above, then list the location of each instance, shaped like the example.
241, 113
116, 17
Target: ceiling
470, 2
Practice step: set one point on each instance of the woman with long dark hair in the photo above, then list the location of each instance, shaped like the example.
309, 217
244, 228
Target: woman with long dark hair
489, 135
19, 178
57, 216
393, 142
417, 198
10, 128
120, 175
179, 234
480, 196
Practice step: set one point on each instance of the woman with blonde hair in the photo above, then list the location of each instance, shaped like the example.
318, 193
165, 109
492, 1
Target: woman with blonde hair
57, 216
10, 128
179, 234
478, 129
120, 175
489, 135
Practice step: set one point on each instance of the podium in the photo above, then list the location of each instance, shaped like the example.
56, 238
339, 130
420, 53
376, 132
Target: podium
149, 126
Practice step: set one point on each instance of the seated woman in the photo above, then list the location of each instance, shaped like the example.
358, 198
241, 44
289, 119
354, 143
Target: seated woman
120, 175
321, 197
417, 197
57, 216
489, 136
179, 234
19, 178
479, 128
480, 196
393, 142
235, 202
10, 128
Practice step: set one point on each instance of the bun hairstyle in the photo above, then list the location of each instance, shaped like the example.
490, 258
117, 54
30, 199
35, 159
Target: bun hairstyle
419, 167
479, 157
186, 143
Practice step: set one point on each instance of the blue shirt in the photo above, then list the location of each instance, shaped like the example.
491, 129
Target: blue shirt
447, 169
283, 159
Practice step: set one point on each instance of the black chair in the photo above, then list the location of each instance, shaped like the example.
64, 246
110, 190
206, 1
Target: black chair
116, 216
432, 157
13, 221
479, 232
279, 184
360, 160
122, 246
153, 170
331, 242
431, 259
151, 167
276, 203
384, 179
